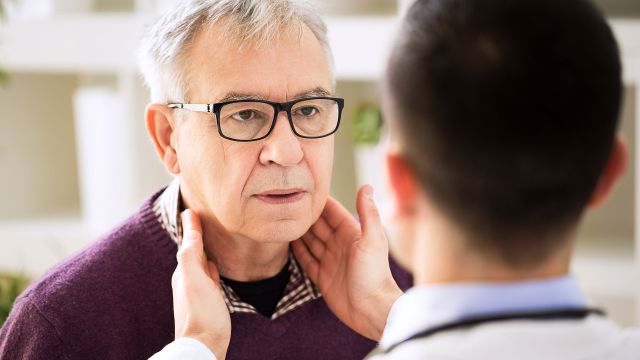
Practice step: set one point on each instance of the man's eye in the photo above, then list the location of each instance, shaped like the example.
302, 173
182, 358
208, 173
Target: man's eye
307, 111
244, 115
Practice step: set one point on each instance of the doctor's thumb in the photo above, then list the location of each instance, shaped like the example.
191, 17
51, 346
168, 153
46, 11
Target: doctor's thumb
370, 222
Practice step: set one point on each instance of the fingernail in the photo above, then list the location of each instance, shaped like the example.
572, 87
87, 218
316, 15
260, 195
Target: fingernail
368, 191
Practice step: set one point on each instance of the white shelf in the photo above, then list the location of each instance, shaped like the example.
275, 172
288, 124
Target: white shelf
102, 43
361, 45
35, 245
107, 43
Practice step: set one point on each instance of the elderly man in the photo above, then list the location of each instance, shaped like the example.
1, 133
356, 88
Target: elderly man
243, 115
504, 118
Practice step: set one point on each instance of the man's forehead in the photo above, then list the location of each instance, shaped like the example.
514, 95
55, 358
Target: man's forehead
290, 68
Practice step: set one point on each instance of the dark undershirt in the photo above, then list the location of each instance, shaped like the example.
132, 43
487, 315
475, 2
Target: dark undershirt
262, 294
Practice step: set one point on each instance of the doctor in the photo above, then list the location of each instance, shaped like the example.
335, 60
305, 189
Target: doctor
503, 132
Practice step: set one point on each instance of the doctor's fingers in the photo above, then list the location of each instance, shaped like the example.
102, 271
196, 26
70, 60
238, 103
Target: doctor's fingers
309, 264
316, 246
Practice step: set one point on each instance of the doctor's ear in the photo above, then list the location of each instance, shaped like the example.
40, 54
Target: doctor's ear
613, 171
161, 125
403, 183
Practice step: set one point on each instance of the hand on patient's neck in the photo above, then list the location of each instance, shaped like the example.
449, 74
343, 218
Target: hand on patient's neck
239, 258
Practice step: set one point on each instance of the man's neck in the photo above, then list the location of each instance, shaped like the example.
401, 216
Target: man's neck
242, 259
236, 257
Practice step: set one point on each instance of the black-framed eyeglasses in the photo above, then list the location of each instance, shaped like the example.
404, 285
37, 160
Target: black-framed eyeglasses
252, 120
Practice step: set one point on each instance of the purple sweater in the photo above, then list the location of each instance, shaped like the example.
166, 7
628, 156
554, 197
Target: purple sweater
113, 301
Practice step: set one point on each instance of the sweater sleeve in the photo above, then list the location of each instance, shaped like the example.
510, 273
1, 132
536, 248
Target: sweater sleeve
28, 335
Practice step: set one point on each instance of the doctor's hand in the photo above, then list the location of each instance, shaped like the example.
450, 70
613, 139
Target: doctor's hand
349, 263
198, 304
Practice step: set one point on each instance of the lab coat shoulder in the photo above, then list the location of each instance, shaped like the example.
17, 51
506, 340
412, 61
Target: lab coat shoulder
592, 338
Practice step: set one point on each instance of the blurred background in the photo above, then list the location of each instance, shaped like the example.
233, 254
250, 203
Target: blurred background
75, 158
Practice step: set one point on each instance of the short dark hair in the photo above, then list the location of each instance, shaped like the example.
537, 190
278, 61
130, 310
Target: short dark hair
507, 112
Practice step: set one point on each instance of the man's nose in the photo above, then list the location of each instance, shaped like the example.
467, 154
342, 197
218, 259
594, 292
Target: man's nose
282, 146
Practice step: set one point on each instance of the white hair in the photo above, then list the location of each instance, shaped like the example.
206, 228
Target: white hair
161, 55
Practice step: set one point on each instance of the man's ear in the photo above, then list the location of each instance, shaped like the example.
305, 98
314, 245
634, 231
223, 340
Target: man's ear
614, 169
161, 125
402, 181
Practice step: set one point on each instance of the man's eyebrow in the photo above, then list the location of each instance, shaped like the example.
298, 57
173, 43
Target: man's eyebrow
319, 91
235, 96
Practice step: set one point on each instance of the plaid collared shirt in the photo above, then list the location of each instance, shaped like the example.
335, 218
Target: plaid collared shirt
299, 289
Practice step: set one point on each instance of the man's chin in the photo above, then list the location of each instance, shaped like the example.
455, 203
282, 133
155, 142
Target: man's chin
281, 231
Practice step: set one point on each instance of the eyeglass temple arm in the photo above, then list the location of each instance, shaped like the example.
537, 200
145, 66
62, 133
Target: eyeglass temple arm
193, 107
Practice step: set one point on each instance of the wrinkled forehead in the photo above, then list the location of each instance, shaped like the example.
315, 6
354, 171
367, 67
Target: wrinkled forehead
287, 65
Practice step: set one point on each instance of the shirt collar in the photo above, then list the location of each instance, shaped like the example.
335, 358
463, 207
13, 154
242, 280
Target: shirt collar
429, 306
168, 207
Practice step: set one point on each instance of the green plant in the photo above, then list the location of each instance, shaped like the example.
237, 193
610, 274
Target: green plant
4, 76
366, 124
11, 285
3, 4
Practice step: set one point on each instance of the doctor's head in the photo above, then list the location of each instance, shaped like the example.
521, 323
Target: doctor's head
243, 112
504, 118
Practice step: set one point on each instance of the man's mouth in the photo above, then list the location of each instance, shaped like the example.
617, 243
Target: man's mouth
284, 196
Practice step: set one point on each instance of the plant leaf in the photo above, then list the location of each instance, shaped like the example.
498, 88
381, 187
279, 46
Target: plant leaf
4, 77
11, 286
